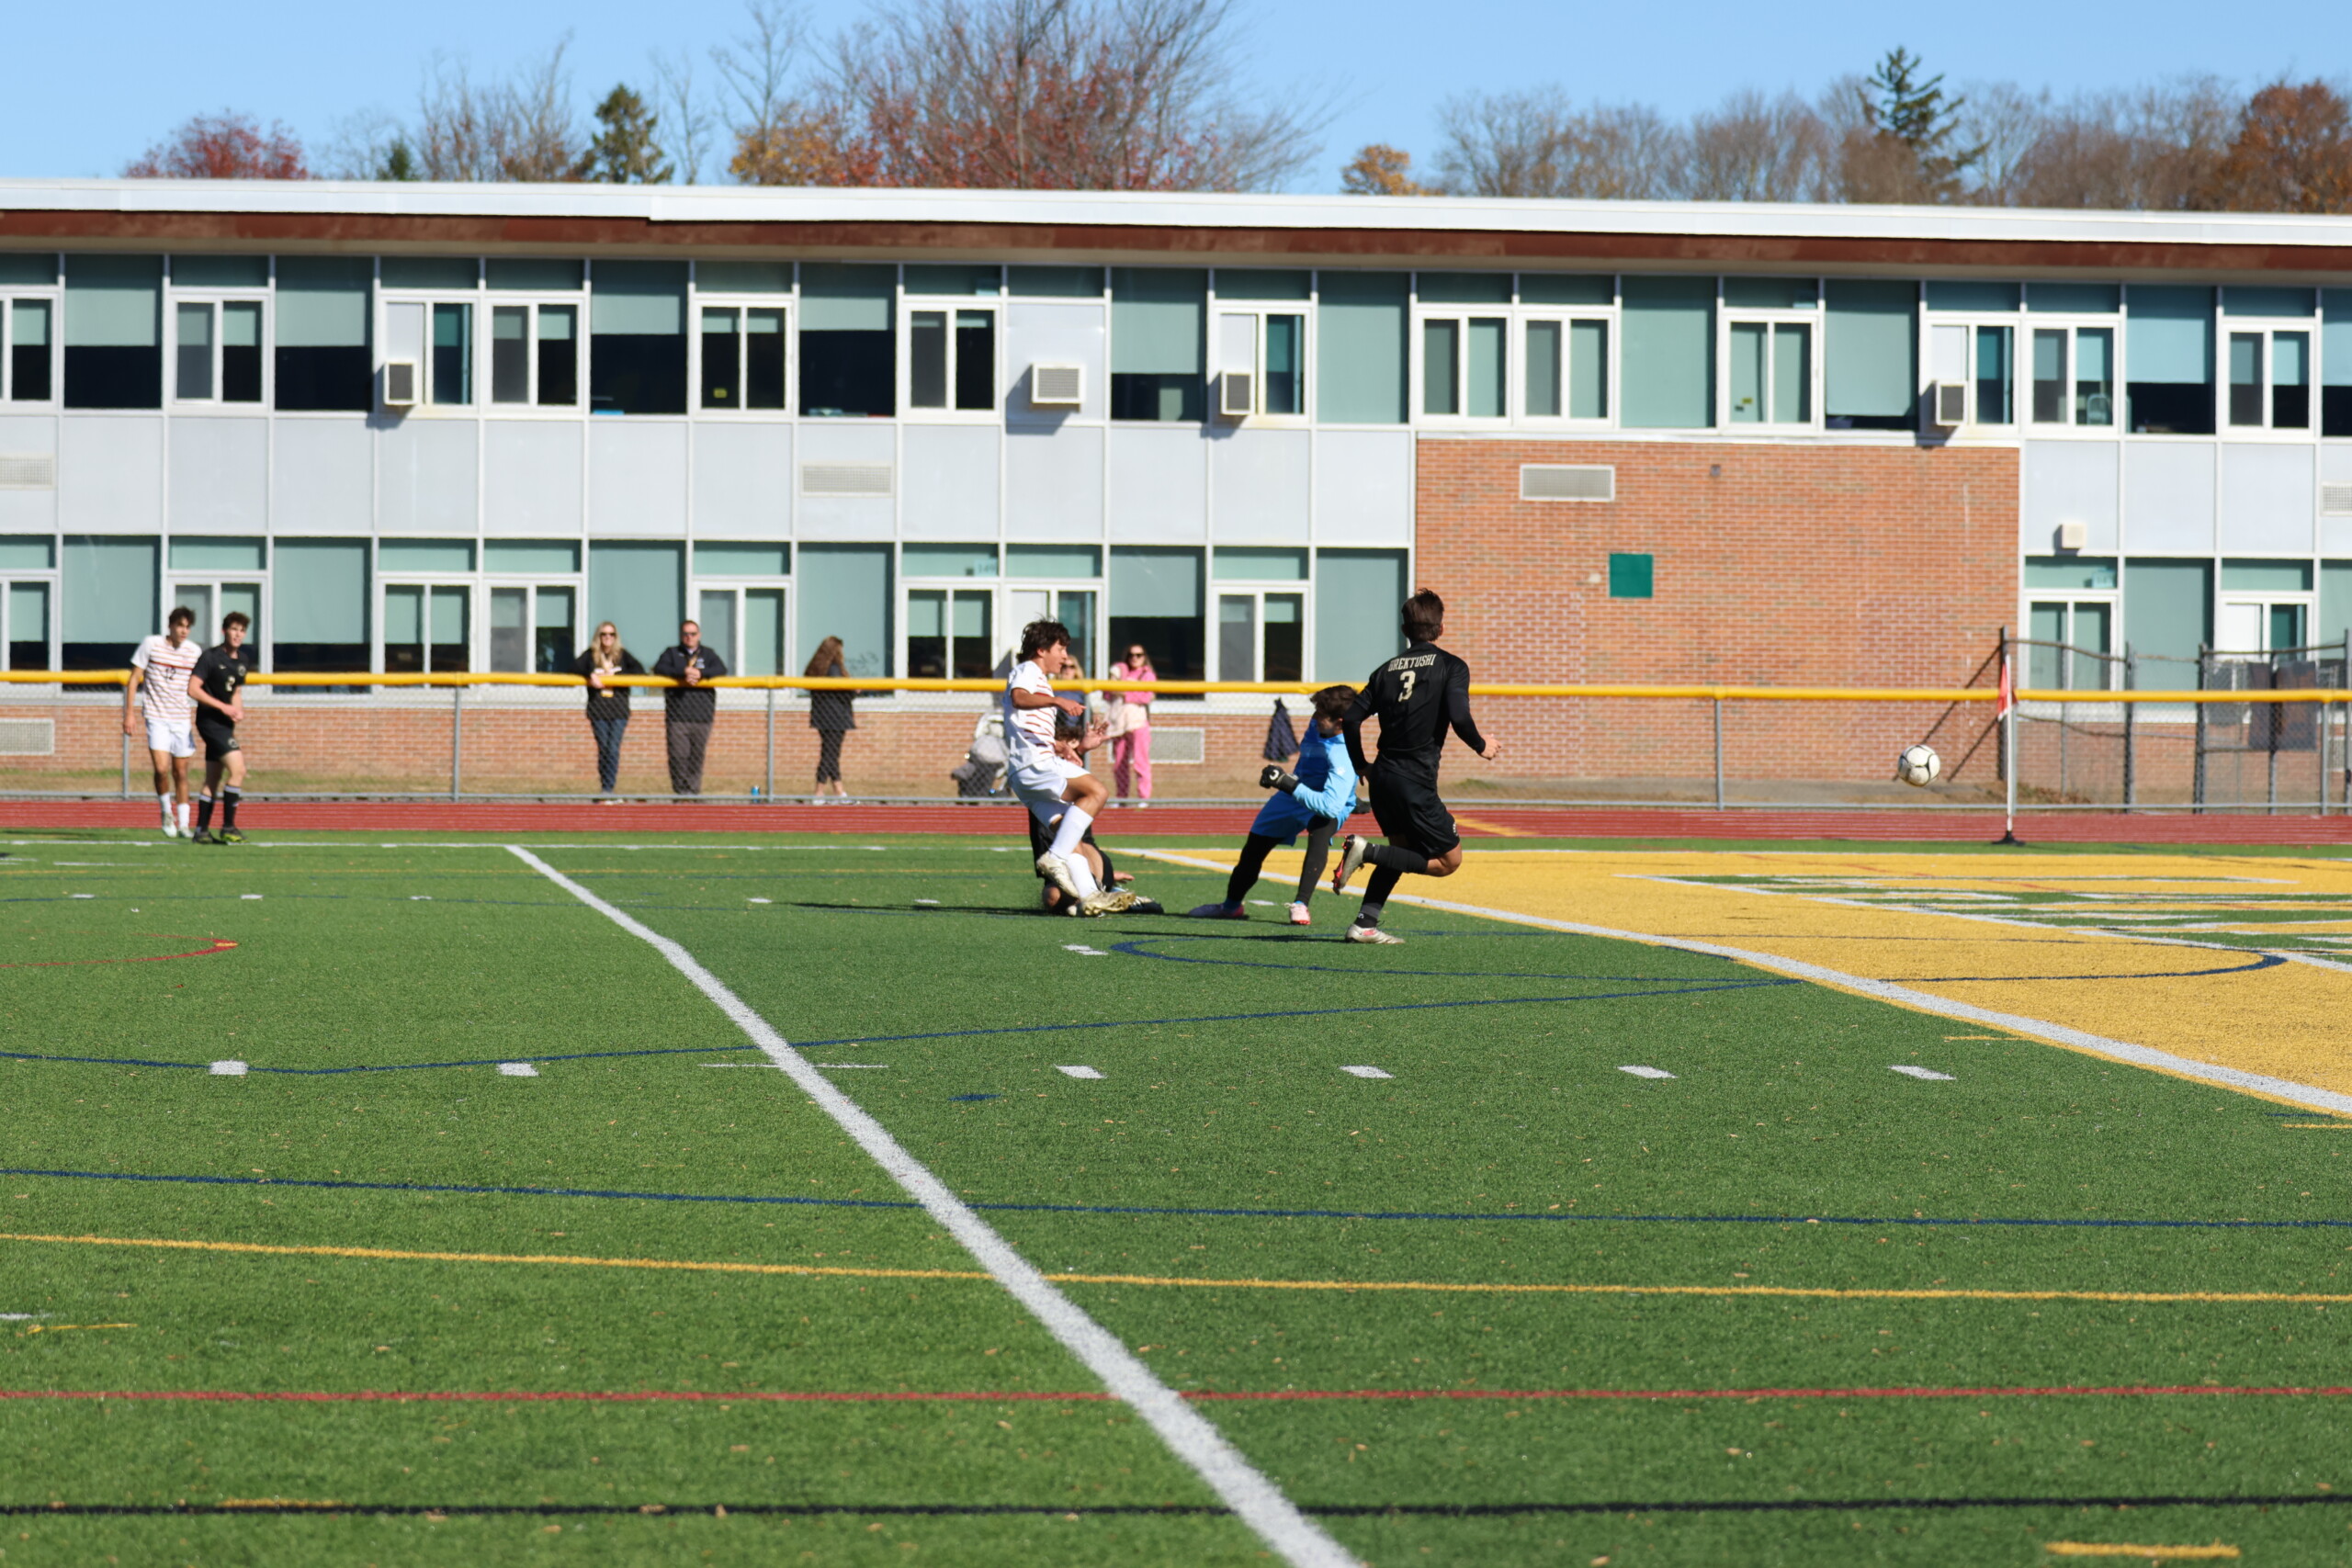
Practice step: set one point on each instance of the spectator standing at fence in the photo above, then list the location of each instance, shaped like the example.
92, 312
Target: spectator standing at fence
1131, 727
829, 715
607, 703
687, 708
162, 665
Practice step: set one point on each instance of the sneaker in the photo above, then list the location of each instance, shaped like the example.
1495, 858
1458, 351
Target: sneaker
1143, 906
1351, 848
1056, 870
1375, 936
203, 836
227, 836
1107, 901
1299, 916
1217, 912
171, 824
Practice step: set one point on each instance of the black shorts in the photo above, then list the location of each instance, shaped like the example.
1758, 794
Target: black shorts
1409, 813
220, 740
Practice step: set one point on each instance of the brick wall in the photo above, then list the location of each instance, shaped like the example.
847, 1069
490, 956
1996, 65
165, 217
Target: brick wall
1782, 565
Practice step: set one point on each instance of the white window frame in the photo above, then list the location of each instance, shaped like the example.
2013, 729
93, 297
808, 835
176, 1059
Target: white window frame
1566, 316
1815, 320
1461, 315
742, 304
489, 583
1001, 637
426, 298
1011, 619
217, 299
2030, 323
51, 580
2261, 602
54, 297
948, 305
1971, 325
1257, 312
491, 302
477, 619
212, 579
2269, 329
2073, 599
760, 582
1256, 590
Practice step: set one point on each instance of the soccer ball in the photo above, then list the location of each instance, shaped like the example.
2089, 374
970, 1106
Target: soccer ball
1918, 766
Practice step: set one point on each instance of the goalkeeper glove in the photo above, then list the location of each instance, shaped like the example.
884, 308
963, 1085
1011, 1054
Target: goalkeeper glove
1273, 777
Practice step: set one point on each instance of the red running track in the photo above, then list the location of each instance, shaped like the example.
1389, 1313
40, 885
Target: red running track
1176, 820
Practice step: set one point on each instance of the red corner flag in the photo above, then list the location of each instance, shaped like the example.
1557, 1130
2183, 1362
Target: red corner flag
2008, 696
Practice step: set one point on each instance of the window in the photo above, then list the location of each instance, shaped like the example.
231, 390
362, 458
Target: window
2066, 642
2169, 355
425, 628
2335, 362
320, 603
636, 350
1992, 368
2270, 380
1268, 348
951, 359
1567, 368
2074, 375
2263, 607
29, 364
948, 633
321, 354
534, 629
1074, 608
27, 604
1158, 317
1260, 636
1464, 367
1355, 628
212, 576
108, 600
1666, 363
114, 335
742, 356
1361, 349
437, 336
1771, 373
217, 351
845, 592
535, 355
1870, 354
1156, 600
744, 617
848, 354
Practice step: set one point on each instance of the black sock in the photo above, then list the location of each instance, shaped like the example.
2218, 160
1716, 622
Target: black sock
1375, 896
1319, 849
1254, 851
1388, 857
229, 798
203, 812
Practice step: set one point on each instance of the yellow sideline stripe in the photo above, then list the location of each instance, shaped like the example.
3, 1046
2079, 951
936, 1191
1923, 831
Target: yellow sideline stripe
1448, 1287
2124, 1549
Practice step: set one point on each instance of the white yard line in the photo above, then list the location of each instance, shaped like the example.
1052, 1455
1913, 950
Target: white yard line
1253, 1499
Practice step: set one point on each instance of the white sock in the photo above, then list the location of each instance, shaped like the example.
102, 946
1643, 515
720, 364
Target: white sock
1083, 875
1074, 826
164, 802
183, 810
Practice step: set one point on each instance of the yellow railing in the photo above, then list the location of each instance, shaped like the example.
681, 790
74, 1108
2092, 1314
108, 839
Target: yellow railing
1203, 688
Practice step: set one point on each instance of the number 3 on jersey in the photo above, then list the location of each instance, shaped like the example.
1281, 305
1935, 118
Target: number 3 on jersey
1407, 678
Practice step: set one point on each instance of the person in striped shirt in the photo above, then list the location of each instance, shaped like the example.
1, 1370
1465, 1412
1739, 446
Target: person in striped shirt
161, 668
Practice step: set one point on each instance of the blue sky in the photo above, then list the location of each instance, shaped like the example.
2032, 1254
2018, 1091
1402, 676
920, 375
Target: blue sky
93, 101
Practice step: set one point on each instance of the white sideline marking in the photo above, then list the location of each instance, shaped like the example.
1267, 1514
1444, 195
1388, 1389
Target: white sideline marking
81, 895
759, 900
1188, 1435
926, 900
812, 1064
1368, 1072
1083, 951
1646, 1072
253, 897
1908, 1071
1079, 1072
517, 1070
1266, 904
231, 1069
420, 897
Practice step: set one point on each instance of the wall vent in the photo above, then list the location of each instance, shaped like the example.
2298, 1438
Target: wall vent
2334, 500
845, 478
400, 383
28, 736
1179, 748
1057, 385
28, 471
1560, 482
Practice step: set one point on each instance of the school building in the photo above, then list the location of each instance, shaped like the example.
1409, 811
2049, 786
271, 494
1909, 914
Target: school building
432, 428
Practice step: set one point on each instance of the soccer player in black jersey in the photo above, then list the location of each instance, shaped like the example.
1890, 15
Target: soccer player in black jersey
1418, 695
215, 683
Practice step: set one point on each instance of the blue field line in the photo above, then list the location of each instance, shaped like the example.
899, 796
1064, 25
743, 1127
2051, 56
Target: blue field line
1678, 990
1194, 1213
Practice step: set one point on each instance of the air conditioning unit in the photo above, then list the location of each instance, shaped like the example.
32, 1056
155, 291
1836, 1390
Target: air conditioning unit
1057, 385
1952, 403
1236, 395
400, 383
2074, 536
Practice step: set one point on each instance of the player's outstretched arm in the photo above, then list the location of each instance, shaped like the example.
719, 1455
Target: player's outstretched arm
131, 702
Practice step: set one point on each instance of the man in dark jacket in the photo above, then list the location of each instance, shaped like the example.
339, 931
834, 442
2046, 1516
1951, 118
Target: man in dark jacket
687, 709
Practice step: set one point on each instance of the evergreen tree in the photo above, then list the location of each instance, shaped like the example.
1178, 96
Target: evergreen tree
623, 153
1916, 114
399, 163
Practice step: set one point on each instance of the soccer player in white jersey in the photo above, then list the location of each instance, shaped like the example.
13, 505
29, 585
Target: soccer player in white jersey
1052, 786
161, 667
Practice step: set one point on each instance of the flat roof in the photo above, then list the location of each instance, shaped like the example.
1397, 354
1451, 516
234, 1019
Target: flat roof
1163, 227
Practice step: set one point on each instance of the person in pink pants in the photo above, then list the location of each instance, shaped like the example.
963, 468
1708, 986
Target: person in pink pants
1131, 727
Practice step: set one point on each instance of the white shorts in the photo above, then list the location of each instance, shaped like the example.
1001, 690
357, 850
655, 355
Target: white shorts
1039, 778
175, 739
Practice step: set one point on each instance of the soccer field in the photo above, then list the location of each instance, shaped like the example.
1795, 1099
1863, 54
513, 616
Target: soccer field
406, 1203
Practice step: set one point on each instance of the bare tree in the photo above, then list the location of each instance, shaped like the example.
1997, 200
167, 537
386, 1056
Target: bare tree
2005, 121
1757, 148
686, 117
523, 129
766, 124
1538, 143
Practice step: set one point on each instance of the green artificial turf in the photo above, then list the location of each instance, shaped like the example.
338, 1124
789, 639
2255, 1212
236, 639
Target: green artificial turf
1221, 1048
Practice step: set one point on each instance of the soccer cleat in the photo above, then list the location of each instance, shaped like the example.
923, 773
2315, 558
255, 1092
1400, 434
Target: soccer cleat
1299, 916
1219, 911
1375, 936
1056, 870
227, 836
1144, 905
202, 836
171, 824
1107, 901
1351, 848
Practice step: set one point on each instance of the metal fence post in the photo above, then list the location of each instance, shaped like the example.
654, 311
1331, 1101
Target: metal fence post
126, 746
1719, 753
457, 742
2130, 732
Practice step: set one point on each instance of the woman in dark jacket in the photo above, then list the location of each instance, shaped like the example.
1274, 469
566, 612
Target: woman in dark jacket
607, 705
830, 717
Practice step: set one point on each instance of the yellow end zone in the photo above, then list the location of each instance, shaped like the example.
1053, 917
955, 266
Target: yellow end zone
2015, 934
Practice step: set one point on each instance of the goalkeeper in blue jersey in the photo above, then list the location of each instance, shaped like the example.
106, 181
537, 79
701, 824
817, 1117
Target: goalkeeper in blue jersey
1314, 800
